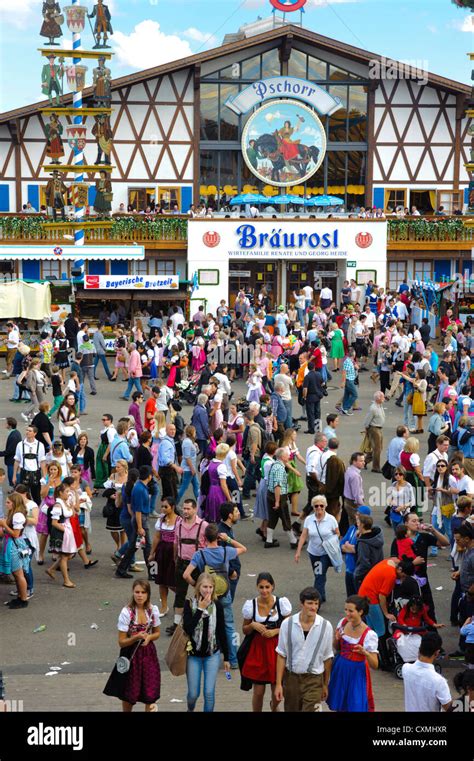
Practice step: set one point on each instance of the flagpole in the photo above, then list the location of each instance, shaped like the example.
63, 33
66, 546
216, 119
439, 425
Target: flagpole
79, 211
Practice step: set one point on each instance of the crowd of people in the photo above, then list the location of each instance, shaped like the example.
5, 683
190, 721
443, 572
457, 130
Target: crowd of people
177, 480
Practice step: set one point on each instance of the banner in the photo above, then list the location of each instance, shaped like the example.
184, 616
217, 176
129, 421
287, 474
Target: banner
284, 87
132, 282
56, 251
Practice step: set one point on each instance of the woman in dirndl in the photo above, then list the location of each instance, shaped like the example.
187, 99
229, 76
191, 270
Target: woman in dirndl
420, 385
218, 489
138, 627
102, 469
162, 551
61, 358
83, 455
113, 495
260, 510
295, 482
350, 686
14, 550
236, 426
198, 354
61, 535
263, 617
49, 482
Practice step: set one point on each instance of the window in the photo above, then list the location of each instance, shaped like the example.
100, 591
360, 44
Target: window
271, 64
424, 270
338, 120
168, 198
209, 111
317, 69
424, 200
395, 198
51, 268
165, 267
141, 198
396, 274
450, 200
357, 114
141, 268
228, 120
297, 64
251, 68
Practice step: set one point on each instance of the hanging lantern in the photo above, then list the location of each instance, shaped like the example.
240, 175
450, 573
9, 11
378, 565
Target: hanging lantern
76, 136
75, 18
76, 77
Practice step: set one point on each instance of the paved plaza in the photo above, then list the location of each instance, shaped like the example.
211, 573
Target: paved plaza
81, 634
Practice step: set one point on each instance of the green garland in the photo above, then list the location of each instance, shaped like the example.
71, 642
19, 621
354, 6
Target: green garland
428, 230
167, 228
22, 228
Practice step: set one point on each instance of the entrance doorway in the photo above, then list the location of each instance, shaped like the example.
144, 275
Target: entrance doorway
251, 277
315, 273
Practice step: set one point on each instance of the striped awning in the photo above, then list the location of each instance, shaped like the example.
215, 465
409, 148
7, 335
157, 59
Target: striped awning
55, 251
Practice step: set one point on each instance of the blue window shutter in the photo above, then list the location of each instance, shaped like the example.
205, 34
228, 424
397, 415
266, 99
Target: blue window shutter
186, 199
91, 195
442, 270
96, 267
4, 198
34, 196
119, 267
466, 196
31, 270
379, 198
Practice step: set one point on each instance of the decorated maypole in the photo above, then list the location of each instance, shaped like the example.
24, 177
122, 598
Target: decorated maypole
469, 5
79, 210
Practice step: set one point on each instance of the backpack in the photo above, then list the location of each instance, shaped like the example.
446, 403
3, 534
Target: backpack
219, 574
263, 435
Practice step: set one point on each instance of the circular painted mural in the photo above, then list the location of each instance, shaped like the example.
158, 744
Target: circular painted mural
283, 143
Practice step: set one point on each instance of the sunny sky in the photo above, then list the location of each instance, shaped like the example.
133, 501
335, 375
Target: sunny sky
433, 34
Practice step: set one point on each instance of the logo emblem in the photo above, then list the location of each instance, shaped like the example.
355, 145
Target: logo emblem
211, 239
287, 6
57, 251
364, 240
92, 281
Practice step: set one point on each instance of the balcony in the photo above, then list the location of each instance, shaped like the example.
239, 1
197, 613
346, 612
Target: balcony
156, 232
430, 234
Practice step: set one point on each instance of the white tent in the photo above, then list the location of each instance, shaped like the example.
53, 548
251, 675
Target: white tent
29, 300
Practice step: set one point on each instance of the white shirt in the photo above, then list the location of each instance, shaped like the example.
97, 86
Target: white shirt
13, 338
462, 484
303, 649
287, 382
111, 433
355, 294
231, 456
308, 292
247, 610
321, 469
429, 467
224, 383
177, 319
36, 447
326, 294
313, 457
319, 531
403, 343
371, 319
402, 311
125, 618
425, 690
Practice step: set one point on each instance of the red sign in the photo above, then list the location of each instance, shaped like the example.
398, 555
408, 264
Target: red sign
363, 240
288, 7
92, 281
211, 239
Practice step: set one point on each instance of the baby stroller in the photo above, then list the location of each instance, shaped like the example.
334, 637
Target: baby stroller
404, 647
188, 389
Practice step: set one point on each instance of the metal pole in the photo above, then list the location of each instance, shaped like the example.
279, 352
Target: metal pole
79, 211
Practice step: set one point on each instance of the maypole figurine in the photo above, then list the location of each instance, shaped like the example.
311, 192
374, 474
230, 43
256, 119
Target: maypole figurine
50, 81
103, 196
102, 132
102, 78
52, 20
102, 26
54, 145
54, 193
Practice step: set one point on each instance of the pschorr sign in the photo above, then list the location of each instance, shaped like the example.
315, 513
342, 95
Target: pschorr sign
291, 240
284, 87
131, 282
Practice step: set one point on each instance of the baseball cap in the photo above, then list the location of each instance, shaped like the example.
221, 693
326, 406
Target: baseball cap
364, 510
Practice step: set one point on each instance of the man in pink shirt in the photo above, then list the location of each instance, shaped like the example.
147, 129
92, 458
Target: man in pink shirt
134, 372
188, 539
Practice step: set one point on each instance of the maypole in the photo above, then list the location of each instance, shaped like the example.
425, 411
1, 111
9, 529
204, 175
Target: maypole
79, 211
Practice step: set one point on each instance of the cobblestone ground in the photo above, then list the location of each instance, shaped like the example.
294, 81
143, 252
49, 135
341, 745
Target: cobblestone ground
81, 636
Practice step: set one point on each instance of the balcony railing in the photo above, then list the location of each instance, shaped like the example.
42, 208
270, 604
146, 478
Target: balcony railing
138, 229
429, 229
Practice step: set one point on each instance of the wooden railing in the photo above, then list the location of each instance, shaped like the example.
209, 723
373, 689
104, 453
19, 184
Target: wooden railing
429, 229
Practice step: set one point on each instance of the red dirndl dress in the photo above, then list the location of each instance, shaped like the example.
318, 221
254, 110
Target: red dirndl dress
261, 660
76, 530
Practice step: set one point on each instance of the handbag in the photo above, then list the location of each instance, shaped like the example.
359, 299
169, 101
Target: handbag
365, 446
332, 548
177, 656
244, 649
409, 398
387, 470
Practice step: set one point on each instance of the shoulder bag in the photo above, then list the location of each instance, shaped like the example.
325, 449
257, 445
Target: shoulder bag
177, 656
332, 548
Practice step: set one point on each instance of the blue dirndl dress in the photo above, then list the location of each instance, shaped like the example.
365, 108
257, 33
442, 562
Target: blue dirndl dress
10, 558
350, 686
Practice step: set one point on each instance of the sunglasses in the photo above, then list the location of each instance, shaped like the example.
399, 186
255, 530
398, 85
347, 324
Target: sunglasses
318, 505
442, 466
398, 474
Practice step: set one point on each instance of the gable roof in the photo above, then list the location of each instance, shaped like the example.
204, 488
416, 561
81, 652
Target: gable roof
298, 33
